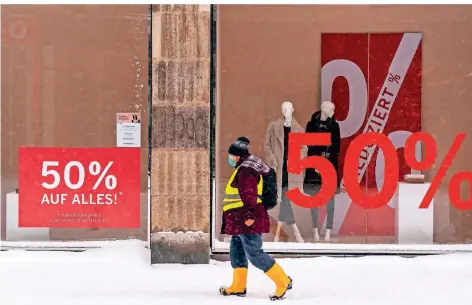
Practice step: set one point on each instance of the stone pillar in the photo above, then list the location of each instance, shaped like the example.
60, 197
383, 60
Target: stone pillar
180, 170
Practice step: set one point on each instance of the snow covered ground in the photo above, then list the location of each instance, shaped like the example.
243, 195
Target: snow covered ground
120, 274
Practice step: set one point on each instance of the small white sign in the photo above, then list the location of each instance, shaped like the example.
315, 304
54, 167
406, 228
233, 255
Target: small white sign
128, 130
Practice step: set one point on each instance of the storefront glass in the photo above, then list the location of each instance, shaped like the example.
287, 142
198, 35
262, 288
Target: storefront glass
67, 72
394, 70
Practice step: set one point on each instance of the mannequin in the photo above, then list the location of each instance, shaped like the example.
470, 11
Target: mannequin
276, 151
323, 121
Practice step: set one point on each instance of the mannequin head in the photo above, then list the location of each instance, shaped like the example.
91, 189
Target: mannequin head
327, 110
287, 110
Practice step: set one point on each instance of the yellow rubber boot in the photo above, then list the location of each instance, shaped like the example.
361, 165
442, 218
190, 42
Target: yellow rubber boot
281, 280
238, 287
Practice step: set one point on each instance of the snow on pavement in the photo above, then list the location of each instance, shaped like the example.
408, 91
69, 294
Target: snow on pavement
120, 274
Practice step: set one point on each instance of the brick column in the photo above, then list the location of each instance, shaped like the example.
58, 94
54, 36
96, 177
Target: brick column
180, 174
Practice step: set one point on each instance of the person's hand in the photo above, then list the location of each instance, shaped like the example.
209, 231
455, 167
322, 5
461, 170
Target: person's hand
249, 222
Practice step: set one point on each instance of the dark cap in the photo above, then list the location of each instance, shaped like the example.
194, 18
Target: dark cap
240, 147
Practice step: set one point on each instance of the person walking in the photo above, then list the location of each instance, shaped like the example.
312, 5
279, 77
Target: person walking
246, 219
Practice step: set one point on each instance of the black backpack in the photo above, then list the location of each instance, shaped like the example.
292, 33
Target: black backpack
269, 190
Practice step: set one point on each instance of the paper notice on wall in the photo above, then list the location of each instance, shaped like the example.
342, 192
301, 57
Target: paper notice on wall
128, 129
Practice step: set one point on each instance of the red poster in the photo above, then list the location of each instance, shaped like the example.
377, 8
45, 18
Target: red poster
79, 187
375, 82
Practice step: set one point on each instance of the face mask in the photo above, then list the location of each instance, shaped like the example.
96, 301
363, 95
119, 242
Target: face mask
231, 161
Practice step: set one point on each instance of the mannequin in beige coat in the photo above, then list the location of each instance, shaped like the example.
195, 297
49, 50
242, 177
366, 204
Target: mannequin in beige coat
275, 142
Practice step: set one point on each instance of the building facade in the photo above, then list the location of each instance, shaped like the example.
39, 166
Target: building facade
203, 75
265, 55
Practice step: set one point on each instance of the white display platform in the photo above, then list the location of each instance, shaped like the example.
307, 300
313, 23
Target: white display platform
413, 225
13, 231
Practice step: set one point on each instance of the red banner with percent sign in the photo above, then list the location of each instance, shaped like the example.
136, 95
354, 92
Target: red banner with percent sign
79, 187
375, 82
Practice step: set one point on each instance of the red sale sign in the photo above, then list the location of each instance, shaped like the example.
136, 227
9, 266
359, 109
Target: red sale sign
79, 187
354, 189
375, 82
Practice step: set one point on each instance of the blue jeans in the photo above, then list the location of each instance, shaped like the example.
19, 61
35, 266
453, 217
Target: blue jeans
249, 247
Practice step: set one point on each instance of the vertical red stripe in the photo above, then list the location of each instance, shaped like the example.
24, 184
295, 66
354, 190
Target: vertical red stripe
36, 94
352, 47
405, 115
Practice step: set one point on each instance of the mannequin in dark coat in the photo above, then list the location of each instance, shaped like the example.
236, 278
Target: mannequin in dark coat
323, 121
